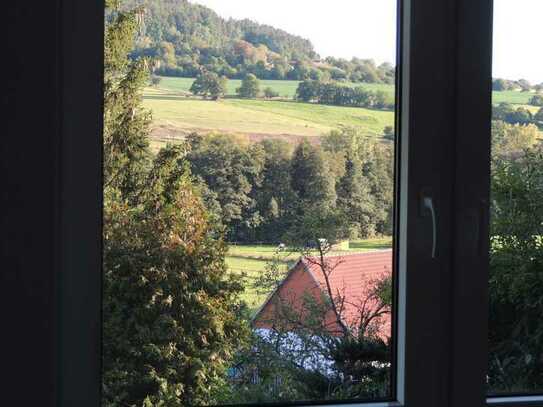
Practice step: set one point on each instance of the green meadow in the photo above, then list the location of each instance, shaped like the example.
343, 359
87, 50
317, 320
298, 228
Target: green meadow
512, 97
175, 116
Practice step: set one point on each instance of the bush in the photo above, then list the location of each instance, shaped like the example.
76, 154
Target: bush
155, 80
250, 87
536, 100
269, 93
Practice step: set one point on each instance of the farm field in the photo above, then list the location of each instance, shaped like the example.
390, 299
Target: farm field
252, 260
175, 116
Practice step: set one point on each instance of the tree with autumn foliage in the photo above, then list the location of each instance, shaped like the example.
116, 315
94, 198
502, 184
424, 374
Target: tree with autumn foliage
171, 314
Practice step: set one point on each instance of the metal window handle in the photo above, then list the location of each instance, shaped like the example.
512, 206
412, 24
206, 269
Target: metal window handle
428, 203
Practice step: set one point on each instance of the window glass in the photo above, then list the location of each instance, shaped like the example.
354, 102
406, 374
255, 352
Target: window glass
516, 273
249, 201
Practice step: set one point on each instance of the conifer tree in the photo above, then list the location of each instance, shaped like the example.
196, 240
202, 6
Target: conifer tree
354, 199
171, 322
310, 177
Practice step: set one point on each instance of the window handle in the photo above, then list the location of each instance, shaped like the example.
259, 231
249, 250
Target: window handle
428, 205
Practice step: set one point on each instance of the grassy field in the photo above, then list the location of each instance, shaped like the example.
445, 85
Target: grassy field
513, 97
252, 260
175, 116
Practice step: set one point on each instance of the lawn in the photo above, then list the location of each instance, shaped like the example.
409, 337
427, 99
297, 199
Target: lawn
251, 260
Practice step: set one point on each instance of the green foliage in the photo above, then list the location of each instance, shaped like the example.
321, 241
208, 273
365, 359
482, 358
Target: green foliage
232, 171
171, 324
155, 80
333, 93
354, 198
275, 195
186, 38
503, 85
209, 85
507, 113
269, 93
311, 179
371, 163
125, 121
516, 279
511, 140
537, 100
389, 133
250, 87
287, 88
262, 191
171, 316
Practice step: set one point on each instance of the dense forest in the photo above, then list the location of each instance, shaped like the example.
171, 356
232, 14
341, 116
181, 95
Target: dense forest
186, 38
260, 191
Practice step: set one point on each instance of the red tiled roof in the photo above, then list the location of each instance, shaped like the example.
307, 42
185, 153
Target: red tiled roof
352, 277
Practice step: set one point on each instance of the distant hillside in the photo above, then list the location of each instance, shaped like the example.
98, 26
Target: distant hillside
185, 38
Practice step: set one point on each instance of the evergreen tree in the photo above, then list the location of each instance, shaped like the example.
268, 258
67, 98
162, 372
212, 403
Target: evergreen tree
171, 316
354, 199
171, 320
275, 195
126, 123
310, 177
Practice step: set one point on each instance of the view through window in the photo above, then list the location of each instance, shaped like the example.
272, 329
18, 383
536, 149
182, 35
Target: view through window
516, 273
248, 201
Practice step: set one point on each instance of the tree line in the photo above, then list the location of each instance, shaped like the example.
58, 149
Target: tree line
500, 85
338, 94
260, 191
210, 85
509, 114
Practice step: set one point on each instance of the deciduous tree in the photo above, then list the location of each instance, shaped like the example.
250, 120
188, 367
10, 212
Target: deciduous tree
250, 87
209, 85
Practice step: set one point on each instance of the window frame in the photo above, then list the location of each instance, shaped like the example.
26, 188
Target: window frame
445, 49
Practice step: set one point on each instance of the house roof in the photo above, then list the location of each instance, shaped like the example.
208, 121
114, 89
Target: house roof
352, 273
352, 277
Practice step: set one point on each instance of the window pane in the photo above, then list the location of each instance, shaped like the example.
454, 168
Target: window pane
516, 281
249, 202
